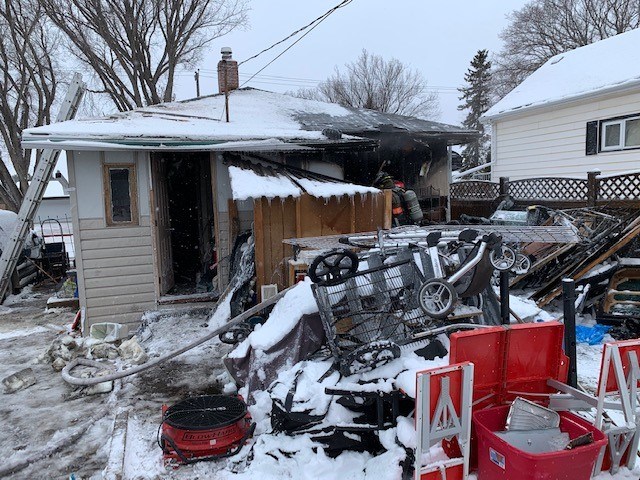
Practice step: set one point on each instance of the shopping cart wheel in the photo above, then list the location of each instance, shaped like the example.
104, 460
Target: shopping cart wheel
505, 261
370, 356
437, 298
333, 266
523, 264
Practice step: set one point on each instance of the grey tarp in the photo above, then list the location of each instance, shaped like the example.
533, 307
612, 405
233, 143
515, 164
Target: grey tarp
258, 369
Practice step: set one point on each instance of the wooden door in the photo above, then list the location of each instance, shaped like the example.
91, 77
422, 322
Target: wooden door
161, 223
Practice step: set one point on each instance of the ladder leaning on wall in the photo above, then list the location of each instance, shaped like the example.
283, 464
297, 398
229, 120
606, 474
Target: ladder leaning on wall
32, 199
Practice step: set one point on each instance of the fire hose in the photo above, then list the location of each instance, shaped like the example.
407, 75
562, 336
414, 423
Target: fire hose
69, 378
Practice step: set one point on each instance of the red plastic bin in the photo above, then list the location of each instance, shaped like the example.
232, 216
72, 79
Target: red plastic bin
498, 460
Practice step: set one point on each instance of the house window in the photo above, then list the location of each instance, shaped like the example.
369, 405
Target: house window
620, 134
121, 194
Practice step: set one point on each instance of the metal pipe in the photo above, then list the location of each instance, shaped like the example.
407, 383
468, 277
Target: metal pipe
569, 308
66, 371
505, 313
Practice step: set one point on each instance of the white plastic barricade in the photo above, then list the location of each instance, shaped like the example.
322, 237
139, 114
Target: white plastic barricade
443, 411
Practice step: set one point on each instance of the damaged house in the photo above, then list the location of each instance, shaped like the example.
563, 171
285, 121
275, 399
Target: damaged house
160, 194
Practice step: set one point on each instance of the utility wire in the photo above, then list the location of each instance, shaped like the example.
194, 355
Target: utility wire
315, 23
320, 19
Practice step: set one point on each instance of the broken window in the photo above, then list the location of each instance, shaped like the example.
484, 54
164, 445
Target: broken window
120, 194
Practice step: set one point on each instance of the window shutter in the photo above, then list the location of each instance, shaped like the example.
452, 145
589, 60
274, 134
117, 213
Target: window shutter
592, 138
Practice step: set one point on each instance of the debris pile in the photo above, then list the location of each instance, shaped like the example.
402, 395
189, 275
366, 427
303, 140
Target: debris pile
608, 245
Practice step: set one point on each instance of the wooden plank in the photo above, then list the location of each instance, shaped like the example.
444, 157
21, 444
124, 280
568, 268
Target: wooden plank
298, 218
118, 262
364, 207
626, 237
275, 271
119, 290
116, 243
115, 252
118, 272
335, 215
310, 216
387, 215
113, 232
352, 212
140, 279
288, 231
258, 219
118, 300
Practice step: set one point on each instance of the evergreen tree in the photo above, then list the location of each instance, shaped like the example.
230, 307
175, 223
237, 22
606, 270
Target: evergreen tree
475, 100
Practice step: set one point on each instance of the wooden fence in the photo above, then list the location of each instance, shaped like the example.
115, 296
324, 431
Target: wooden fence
480, 198
307, 216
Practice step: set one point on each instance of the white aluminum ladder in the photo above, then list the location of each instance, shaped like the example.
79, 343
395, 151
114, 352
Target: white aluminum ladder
35, 192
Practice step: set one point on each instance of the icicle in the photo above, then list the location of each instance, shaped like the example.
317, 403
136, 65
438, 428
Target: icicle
269, 201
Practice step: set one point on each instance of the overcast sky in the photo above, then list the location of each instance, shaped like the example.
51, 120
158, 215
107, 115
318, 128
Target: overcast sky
437, 38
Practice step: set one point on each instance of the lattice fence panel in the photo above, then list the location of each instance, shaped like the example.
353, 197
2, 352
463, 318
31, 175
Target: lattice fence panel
619, 187
474, 190
550, 188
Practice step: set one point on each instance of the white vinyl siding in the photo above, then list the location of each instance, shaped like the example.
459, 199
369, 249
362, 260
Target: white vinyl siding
115, 264
551, 142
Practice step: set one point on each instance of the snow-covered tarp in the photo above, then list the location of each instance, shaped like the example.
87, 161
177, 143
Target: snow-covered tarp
606, 65
246, 183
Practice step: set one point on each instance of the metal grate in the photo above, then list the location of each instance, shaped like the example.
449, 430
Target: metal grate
375, 305
509, 233
206, 412
619, 187
474, 190
549, 188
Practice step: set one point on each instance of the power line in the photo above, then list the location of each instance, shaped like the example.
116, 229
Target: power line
318, 20
315, 23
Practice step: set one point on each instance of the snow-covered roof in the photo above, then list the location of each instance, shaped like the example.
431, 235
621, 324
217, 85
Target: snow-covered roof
602, 67
255, 116
256, 181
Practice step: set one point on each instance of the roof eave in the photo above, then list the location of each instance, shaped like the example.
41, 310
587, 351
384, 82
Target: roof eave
621, 88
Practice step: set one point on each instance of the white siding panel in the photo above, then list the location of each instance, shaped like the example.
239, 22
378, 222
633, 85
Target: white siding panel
141, 279
552, 142
120, 290
115, 243
132, 319
119, 261
117, 272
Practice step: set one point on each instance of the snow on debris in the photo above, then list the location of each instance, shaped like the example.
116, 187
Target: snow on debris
285, 315
603, 65
317, 188
247, 184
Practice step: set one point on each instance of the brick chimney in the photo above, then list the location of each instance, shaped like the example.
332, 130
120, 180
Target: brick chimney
227, 72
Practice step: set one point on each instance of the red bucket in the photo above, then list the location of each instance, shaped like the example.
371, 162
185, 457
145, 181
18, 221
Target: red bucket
498, 460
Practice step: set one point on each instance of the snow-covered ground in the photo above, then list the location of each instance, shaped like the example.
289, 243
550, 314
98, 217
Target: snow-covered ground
54, 431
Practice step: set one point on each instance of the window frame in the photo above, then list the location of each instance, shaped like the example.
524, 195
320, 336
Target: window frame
622, 121
133, 194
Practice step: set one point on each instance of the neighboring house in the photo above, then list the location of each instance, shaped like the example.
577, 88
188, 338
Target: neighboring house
158, 194
579, 112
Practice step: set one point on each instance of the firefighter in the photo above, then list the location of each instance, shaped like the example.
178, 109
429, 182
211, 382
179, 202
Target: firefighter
405, 207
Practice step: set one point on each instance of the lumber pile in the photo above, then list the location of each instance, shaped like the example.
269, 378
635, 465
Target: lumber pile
604, 234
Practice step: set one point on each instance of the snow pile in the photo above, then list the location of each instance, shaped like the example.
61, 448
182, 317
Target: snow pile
285, 315
603, 65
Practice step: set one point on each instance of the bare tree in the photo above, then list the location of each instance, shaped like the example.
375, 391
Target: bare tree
135, 46
374, 83
28, 85
544, 28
